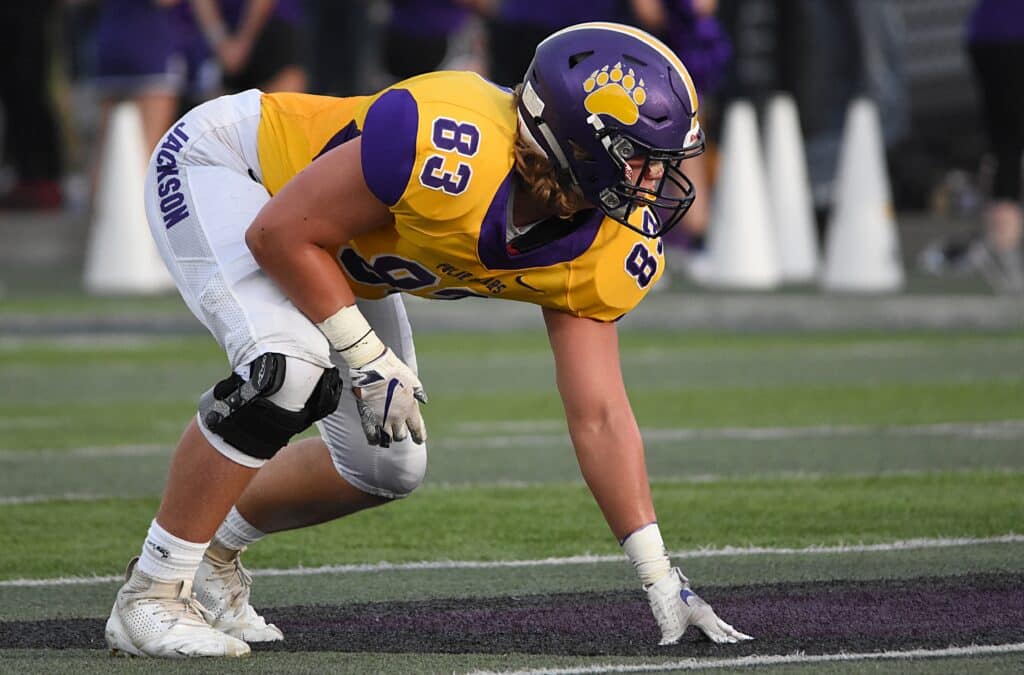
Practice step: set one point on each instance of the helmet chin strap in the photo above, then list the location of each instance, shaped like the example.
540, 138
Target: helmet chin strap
527, 135
619, 148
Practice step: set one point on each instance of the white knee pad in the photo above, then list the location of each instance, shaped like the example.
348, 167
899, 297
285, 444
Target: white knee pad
253, 413
300, 378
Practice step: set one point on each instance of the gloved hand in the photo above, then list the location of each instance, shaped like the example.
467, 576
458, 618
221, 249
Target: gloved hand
676, 607
388, 395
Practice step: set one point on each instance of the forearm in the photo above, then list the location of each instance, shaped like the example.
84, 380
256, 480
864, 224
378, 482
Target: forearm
650, 14
315, 284
210, 21
255, 16
307, 273
611, 458
606, 437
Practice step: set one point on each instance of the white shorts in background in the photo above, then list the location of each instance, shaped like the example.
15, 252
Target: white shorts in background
203, 189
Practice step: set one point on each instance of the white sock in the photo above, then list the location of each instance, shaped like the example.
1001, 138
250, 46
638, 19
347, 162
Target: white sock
646, 551
169, 558
236, 533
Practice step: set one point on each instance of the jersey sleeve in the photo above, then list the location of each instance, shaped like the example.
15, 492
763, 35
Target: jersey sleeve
435, 149
389, 145
628, 266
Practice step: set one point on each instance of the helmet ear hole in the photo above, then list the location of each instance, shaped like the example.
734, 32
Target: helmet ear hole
576, 58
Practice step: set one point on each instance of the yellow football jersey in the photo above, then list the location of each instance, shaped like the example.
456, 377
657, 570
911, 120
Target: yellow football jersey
438, 150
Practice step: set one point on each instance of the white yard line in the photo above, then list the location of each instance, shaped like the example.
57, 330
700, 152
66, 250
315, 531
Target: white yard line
527, 436
98, 452
76, 342
903, 545
781, 659
65, 497
698, 478
510, 426
10, 423
706, 478
659, 356
524, 433
689, 479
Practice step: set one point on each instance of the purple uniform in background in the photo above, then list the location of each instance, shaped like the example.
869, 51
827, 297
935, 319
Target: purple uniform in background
278, 45
558, 13
996, 21
700, 42
520, 25
139, 47
289, 11
427, 17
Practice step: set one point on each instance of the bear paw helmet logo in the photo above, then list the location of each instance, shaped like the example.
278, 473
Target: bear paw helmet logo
616, 92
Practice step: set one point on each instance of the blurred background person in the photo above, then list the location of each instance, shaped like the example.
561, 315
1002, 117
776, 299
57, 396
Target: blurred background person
692, 30
343, 43
995, 44
139, 57
32, 141
417, 38
831, 53
515, 27
258, 43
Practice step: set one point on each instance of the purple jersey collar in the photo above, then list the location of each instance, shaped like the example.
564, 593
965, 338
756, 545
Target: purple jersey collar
491, 244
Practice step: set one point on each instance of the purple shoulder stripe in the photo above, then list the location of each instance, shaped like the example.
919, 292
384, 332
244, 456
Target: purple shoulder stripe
494, 254
389, 144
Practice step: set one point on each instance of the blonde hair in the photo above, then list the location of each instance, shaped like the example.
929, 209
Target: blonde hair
552, 189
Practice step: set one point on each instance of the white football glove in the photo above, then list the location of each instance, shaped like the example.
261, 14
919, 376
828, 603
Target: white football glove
676, 607
388, 395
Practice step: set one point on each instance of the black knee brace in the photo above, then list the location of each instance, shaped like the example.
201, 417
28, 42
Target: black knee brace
238, 411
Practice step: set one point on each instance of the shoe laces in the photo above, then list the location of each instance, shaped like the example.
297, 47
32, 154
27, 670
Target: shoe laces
238, 582
187, 611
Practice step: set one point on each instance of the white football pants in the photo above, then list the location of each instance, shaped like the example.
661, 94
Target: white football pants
203, 189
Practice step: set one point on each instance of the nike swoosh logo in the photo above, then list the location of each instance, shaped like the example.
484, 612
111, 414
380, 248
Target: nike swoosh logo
392, 385
519, 280
685, 596
369, 378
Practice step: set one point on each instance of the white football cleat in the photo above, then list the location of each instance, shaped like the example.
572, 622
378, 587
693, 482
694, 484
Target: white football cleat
676, 607
223, 586
163, 619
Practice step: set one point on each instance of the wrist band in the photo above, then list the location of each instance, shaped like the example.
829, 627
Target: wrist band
350, 334
646, 551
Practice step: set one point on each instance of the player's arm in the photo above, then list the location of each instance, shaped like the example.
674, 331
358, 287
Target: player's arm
603, 429
232, 49
296, 234
610, 453
294, 239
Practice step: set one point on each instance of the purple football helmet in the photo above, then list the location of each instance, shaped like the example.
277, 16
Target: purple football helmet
599, 94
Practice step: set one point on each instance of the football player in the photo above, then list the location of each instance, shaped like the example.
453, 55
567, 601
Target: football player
290, 222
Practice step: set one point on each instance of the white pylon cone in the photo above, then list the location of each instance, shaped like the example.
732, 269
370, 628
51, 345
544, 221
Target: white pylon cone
862, 252
741, 246
121, 256
789, 192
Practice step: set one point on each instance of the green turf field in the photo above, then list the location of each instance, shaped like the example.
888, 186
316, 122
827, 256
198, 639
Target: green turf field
758, 442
